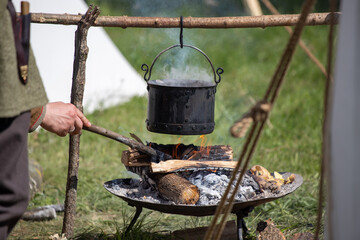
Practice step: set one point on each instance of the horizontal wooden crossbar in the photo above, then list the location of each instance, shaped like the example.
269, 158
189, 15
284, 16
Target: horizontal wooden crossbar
189, 22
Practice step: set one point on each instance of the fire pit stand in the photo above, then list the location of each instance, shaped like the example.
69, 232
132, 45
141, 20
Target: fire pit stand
119, 187
136, 216
242, 230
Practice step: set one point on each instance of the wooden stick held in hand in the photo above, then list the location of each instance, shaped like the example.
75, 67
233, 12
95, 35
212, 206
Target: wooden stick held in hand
129, 142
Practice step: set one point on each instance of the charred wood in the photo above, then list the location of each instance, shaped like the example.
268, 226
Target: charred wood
219, 153
134, 158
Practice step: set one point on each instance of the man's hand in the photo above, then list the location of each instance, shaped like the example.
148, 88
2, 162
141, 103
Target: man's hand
63, 118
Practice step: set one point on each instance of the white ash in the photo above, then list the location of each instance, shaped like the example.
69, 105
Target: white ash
135, 189
212, 186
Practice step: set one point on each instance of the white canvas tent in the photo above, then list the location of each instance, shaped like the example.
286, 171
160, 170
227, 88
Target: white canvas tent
110, 79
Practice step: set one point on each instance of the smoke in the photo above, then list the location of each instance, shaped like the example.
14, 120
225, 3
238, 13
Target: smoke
188, 73
183, 64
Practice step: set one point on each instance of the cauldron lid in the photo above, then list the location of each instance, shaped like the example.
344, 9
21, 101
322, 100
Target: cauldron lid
182, 83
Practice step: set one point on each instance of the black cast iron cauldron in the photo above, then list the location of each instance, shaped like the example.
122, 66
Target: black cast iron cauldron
181, 107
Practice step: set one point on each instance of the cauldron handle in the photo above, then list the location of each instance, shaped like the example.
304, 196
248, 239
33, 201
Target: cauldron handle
147, 74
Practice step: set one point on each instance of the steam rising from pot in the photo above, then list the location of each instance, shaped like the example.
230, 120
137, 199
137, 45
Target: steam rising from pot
183, 67
189, 72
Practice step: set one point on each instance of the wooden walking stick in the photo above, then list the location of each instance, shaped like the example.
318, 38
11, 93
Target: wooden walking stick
77, 93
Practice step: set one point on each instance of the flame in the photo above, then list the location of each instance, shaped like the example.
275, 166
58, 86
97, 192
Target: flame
204, 150
175, 149
208, 149
204, 146
203, 142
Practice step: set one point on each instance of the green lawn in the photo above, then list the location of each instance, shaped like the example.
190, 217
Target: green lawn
291, 140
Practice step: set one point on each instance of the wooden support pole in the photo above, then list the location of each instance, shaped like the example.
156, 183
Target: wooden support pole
253, 7
189, 22
77, 92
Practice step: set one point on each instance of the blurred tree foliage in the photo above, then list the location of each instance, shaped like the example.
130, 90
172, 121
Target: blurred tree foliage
198, 8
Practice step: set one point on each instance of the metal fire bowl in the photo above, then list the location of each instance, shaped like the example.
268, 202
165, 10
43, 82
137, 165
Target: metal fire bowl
192, 210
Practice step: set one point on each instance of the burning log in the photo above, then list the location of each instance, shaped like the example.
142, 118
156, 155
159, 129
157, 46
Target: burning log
172, 186
185, 157
217, 152
192, 152
176, 188
133, 158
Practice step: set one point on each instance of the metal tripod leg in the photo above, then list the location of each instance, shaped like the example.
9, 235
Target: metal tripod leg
242, 230
133, 221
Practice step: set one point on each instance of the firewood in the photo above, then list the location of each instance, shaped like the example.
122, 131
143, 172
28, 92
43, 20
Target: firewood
188, 150
175, 188
195, 156
173, 165
221, 152
133, 158
216, 152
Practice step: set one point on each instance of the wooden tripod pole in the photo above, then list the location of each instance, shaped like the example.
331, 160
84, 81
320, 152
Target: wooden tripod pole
77, 93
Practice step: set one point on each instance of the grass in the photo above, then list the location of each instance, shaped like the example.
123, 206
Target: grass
291, 140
